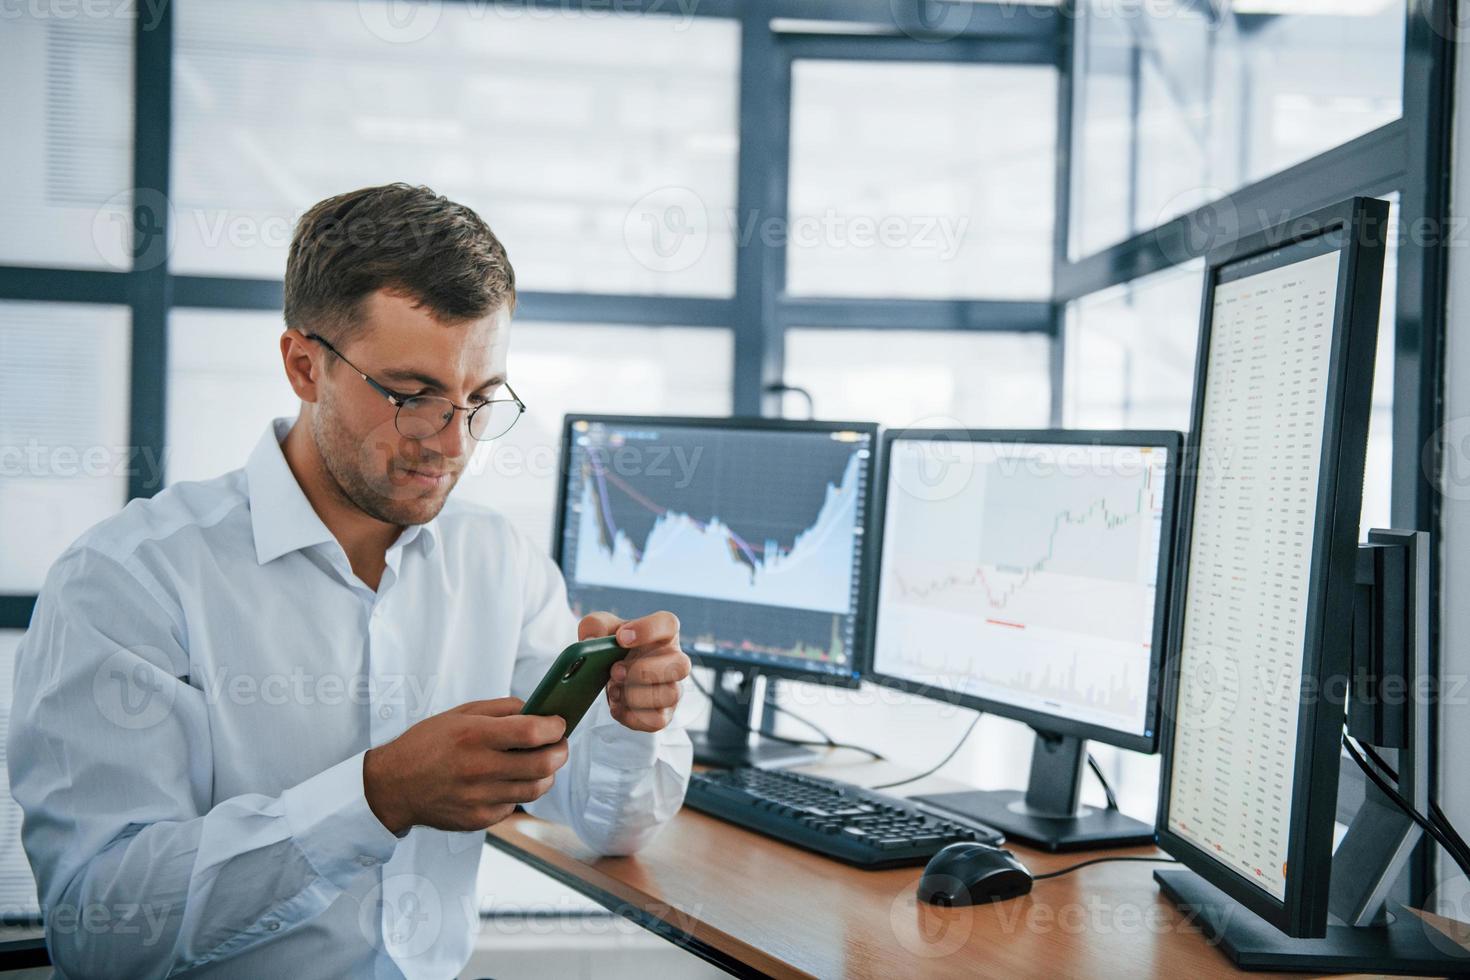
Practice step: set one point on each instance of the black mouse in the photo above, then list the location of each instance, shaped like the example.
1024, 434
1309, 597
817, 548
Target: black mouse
968, 874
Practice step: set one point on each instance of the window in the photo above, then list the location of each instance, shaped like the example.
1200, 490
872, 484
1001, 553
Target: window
600, 148
1131, 361
922, 378
225, 383
66, 107
17, 887
561, 368
921, 180
64, 456
1175, 109
1130, 353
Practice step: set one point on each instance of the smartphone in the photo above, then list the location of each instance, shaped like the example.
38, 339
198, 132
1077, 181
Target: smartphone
573, 682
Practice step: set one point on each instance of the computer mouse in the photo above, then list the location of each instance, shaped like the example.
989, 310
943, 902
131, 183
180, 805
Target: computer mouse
968, 874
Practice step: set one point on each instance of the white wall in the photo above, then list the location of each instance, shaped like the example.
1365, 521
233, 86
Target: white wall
1454, 651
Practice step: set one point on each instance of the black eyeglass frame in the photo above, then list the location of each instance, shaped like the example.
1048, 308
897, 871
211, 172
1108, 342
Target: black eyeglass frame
398, 400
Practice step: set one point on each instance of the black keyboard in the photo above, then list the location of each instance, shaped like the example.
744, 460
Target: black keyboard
854, 825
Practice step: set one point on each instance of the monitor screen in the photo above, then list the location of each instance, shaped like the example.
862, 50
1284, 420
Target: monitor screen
750, 531
1020, 573
1253, 534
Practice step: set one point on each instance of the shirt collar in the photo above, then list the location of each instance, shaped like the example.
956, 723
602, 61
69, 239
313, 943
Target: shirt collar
281, 517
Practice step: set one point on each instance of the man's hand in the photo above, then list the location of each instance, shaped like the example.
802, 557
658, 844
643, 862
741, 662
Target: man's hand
465, 769
644, 689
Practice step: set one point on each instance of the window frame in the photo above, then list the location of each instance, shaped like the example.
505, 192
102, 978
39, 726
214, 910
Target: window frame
1409, 155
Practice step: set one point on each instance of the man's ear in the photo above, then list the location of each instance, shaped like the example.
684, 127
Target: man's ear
302, 370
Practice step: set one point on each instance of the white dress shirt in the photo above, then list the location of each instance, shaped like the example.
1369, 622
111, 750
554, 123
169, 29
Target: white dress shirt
200, 681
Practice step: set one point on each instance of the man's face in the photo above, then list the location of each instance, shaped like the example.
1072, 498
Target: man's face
384, 473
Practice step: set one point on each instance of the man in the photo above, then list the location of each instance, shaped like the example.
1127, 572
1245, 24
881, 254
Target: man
261, 721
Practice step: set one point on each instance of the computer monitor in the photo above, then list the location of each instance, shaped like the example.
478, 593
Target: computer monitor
1025, 574
1271, 509
751, 531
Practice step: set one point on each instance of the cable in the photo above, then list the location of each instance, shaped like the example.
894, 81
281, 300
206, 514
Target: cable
1107, 787
1435, 812
829, 744
781, 388
1082, 864
1446, 836
940, 764
1452, 848
812, 725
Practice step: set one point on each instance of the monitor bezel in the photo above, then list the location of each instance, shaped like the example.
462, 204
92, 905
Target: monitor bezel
1170, 440
853, 677
1303, 911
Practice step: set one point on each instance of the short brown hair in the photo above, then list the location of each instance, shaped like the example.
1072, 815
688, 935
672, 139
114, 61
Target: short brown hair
397, 237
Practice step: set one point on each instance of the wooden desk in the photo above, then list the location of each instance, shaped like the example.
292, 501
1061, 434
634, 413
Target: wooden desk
755, 906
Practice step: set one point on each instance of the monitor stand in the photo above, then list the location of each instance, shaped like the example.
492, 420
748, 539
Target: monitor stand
1367, 931
729, 743
1049, 814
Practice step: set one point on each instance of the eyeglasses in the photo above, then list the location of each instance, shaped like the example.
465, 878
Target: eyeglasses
422, 416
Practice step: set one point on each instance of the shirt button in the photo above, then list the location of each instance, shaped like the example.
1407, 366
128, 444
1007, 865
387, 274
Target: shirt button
272, 925
367, 861
385, 712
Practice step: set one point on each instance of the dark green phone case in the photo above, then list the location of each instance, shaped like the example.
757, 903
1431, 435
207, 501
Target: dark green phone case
573, 682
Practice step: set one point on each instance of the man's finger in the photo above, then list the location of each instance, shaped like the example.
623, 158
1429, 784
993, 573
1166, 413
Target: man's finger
665, 667
493, 708
643, 698
521, 731
597, 624
652, 720
529, 764
650, 630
